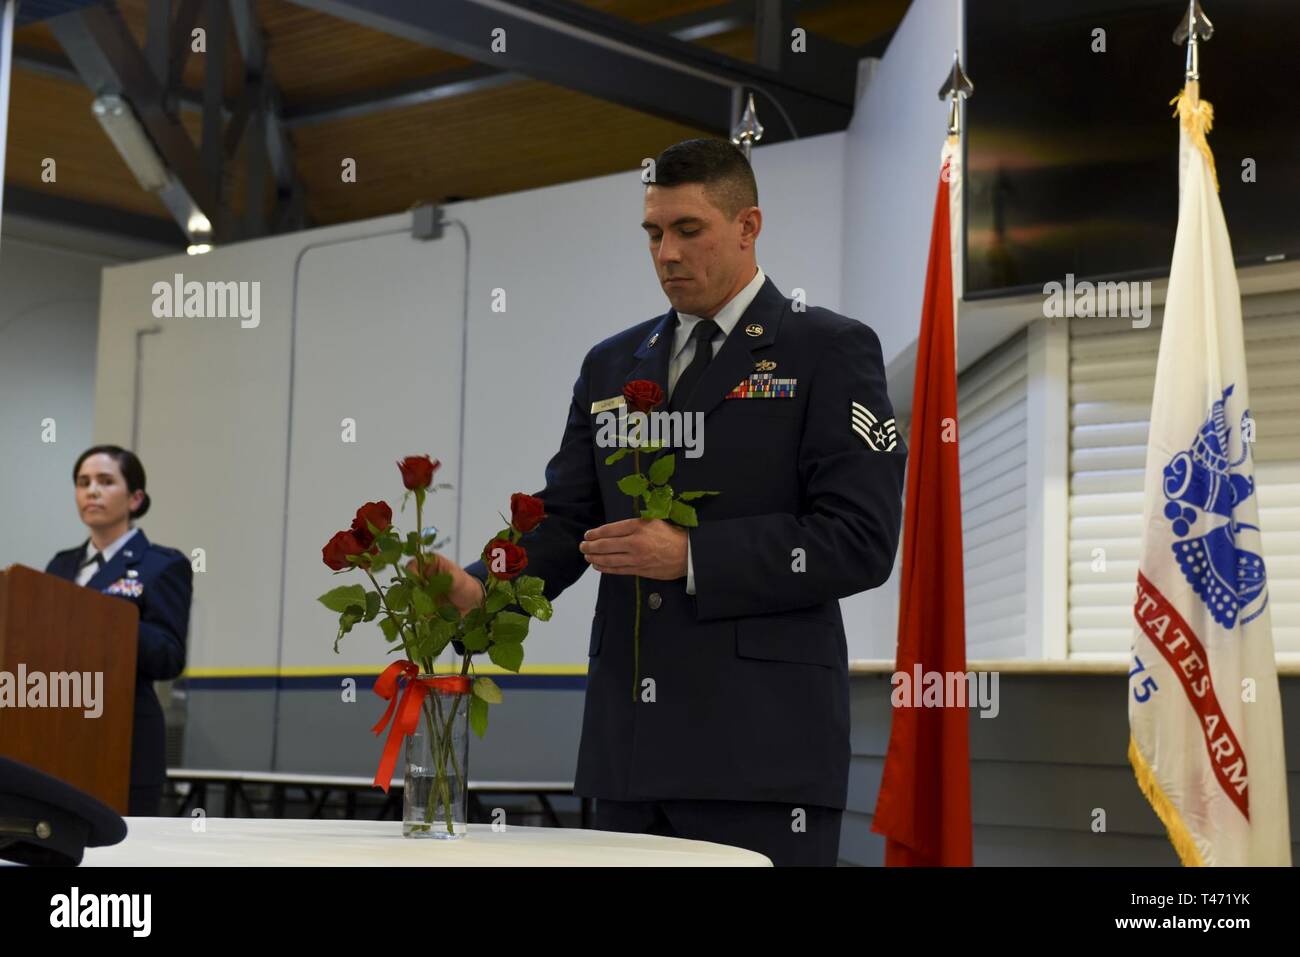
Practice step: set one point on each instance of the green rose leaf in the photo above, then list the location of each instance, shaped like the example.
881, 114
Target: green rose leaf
634, 484
372, 605
486, 688
440, 635
508, 655
478, 716
498, 599
661, 470
659, 502
448, 613
692, 496
339, 599
615, 456
390, 627
510, 626
537, 606
350, 617
683, 515
399, 596
421, 602
476, 639
529, 585
473, 618
420, 640
438, 585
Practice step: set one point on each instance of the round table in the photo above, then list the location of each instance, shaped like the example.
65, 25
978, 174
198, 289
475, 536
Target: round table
254, 842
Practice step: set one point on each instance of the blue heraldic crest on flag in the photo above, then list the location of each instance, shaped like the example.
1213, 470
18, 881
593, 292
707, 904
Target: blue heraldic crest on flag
1201, 481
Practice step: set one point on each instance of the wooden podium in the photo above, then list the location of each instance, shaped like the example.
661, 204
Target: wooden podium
57, 629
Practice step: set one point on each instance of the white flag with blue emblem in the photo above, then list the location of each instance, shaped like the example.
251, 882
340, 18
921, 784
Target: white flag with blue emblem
1204, 711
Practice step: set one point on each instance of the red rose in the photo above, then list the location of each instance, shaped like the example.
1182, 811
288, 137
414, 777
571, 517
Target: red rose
337, 549
377, 514
514, 556
417, 471
643, 395
526, 511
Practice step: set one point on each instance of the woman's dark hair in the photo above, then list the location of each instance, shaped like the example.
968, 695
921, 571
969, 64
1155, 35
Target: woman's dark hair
719, 164
128, 462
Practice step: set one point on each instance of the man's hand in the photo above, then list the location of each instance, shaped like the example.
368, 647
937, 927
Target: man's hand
651, 548
466, 590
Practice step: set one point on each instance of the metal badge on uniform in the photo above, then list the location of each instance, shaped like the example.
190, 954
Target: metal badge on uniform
126, 587
604, 405
879, 436
132, 573
654, 339
764, 365
762, 385
753, 329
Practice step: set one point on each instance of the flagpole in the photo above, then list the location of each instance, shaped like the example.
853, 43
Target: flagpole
956, 87
1209, 759
1194, 27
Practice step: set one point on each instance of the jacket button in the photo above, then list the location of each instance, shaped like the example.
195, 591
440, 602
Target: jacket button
655, 599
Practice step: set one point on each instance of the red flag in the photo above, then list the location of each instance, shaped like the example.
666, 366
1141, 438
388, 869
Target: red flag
924, 804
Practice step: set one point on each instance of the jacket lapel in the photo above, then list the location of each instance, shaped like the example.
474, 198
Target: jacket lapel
127, 557
654, 354
735, 360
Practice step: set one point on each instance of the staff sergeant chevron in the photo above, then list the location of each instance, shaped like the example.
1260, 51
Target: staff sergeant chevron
879, 436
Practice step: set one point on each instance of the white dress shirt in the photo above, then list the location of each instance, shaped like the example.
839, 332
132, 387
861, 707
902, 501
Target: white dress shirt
726, 318
89, 572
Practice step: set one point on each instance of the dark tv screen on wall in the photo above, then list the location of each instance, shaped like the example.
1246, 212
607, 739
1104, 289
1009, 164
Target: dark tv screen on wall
1072, 148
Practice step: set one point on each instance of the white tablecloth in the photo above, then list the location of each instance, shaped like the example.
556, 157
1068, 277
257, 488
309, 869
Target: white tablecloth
253, 842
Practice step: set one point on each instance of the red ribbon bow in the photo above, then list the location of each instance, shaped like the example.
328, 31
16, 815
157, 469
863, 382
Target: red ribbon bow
408, 708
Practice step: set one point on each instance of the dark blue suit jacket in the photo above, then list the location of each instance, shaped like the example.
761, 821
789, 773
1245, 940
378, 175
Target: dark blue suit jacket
751, 672
166, 580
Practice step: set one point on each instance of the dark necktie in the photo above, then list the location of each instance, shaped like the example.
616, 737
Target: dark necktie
705, 331
95, 559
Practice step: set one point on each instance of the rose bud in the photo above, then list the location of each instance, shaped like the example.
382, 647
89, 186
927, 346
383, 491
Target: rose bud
417, 471
337, 549
526, 511
514, 557
642, 395
377, 514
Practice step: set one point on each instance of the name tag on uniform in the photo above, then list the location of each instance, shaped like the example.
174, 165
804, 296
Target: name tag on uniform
604, 405
127, 587
763, 385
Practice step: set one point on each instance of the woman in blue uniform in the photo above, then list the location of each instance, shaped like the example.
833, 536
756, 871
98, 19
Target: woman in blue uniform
118, 560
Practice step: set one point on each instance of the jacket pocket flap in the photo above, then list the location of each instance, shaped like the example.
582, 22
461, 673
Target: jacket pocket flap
781, 638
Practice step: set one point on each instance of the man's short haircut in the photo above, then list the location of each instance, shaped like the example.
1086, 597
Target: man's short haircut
719, 164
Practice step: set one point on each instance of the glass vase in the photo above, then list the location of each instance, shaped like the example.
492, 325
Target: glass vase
437, 762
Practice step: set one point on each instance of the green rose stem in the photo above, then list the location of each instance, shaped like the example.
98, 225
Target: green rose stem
427, 667
401, 628
419, 531
440, 746
439, 764
636, 625
444, 744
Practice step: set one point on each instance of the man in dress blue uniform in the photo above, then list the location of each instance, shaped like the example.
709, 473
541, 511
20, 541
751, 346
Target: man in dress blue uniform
740, 732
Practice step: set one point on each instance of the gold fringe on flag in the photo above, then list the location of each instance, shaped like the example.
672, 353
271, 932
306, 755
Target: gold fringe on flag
1179, 836
1197, 118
